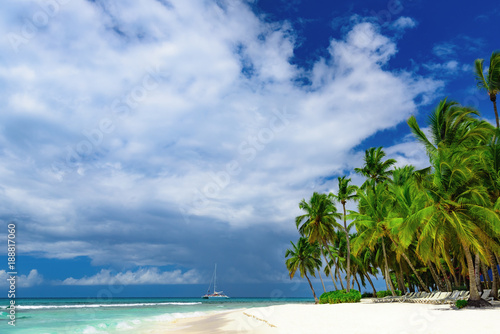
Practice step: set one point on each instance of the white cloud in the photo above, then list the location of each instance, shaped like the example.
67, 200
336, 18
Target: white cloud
22, 281
118, 116
404, 22
142, 276
448, 68
444, 50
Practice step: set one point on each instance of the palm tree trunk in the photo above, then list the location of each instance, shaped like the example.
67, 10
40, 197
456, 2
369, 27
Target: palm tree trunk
337, 273
494, 271
410, 284
422, 284
477, 265
486, 276
387, 276
474, 294
435, 276
348, 251
493, 99
371, 283
321, 278
316, 301
455, 280
445, 275
330, 269
357, 282
400, 279
336, 267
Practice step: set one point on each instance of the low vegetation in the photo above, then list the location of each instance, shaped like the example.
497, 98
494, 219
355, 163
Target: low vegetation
340, 296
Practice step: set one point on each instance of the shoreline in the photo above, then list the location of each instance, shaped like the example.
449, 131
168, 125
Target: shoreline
341, 318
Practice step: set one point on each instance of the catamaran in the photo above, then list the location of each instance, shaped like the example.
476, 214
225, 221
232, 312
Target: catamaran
216, 294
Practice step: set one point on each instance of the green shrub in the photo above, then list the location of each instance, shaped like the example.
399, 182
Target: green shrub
341, 296
367, 295
384, 293
461, 304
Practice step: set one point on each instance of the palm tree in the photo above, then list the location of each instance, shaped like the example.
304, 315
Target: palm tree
374, 210
490, 83
303, 257
346, 192
318, 255
319, 222
489, 165
371, 223
374, 169
406, 199
452, 126
458, 210
366, 265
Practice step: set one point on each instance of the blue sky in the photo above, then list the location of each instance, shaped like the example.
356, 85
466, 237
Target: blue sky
143, 141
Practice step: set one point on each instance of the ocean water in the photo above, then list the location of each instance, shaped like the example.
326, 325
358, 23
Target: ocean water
119, 315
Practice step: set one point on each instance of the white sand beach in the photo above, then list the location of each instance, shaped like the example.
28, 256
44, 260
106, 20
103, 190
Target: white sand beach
400, 318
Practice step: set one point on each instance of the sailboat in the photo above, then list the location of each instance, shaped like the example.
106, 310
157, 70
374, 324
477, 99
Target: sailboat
216, 294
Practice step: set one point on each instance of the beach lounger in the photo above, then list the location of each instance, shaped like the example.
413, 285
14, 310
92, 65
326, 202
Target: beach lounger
486, 295
452, 298
424, 298
418, 296
440, 296
464, 295
435, 295
388, 299
406, 297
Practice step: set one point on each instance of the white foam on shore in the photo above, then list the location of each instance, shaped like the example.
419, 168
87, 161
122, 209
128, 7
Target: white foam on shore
41, 307
89, 330
123, 325
173, 316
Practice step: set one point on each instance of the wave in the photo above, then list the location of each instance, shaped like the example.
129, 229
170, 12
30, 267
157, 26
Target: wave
41, 307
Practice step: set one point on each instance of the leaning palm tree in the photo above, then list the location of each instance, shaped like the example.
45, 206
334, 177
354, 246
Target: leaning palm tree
489, 166
457, 210
317, 253
372, 224
346, 192
405, 199
490, 82
319, 221
303, 257
451, 126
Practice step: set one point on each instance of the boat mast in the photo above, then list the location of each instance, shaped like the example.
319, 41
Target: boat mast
215, 278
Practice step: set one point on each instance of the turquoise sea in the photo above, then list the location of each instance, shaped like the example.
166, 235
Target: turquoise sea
119, 315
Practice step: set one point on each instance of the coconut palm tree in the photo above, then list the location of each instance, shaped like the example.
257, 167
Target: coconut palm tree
371, 223
406, 199
318, 254
451, 126
489, 168
319, 222
374, 169
457, 211
346, 193
303, 257
490, 83
366, 264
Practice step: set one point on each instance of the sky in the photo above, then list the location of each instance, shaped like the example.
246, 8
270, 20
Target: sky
141, 142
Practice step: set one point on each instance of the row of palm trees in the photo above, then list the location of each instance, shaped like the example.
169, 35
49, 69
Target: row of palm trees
429, 229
